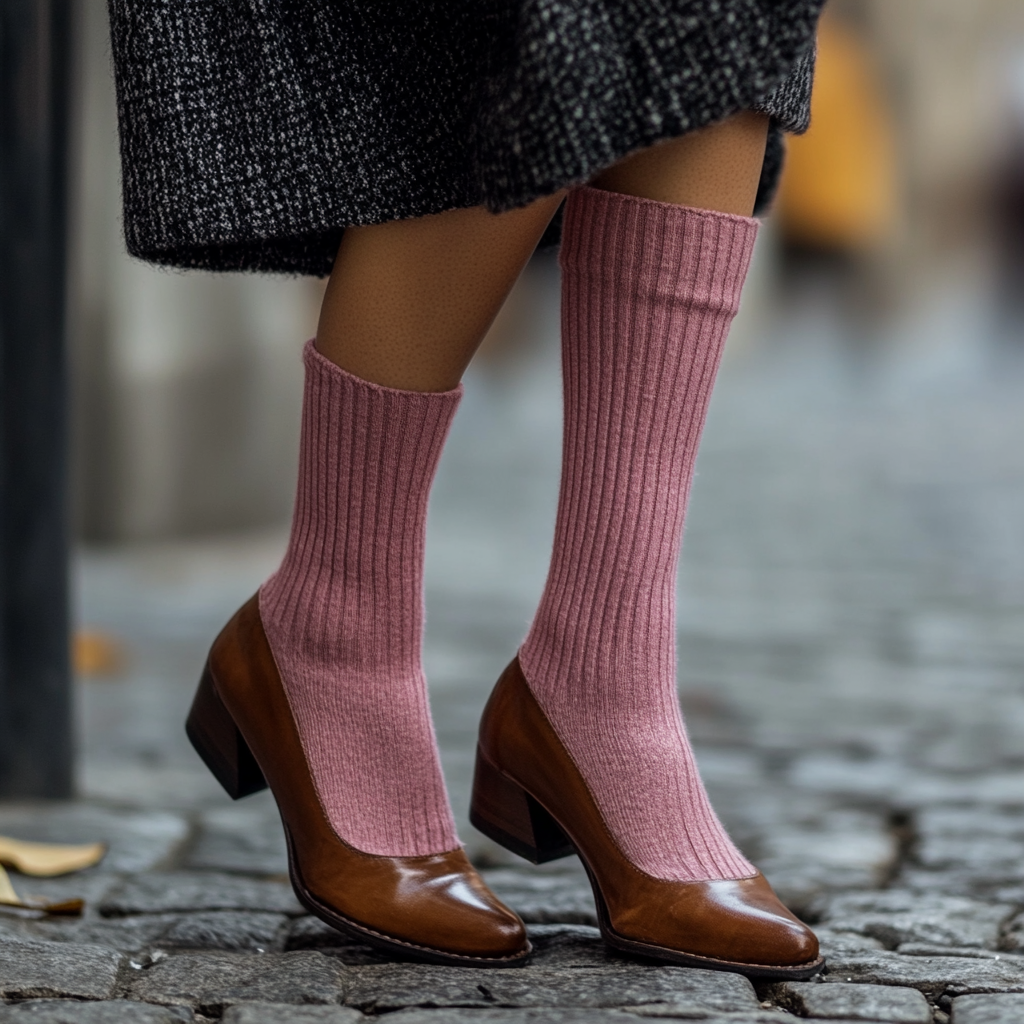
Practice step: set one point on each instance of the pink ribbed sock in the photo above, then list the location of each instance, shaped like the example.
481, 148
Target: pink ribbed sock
344, 613
648, 293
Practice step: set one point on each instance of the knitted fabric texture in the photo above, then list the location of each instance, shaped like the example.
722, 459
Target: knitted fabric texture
344, 613
649, 291
252, 133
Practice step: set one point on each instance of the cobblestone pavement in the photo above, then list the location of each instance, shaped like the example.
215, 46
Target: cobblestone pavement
852, 670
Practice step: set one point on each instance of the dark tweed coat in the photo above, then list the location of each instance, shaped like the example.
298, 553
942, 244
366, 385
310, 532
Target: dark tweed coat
254, 131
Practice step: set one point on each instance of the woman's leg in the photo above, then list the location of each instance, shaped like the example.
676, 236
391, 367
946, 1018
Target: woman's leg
409, 301
407, 304
650, 286
717, 168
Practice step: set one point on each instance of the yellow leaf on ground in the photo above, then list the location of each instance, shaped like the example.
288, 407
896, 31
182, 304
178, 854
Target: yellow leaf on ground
47, 859
36, 904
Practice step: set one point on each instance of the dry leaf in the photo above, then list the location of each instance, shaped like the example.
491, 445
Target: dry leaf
7, 893
44, 860
9, 898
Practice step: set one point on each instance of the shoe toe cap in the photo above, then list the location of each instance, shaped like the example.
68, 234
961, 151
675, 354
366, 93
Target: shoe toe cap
760, 928
794, 943
442, 903
476, 923
737, 921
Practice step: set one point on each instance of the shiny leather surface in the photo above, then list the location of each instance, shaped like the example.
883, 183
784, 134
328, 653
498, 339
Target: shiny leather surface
732, 921
434, 903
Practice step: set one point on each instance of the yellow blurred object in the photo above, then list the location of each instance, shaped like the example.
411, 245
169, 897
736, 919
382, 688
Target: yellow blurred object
97, 654
44, 860
838, 188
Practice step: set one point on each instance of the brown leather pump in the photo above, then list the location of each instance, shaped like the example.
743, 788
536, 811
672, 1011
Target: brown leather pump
529, 796
433, 908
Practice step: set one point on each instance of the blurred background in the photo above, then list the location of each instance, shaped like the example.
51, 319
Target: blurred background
852, 597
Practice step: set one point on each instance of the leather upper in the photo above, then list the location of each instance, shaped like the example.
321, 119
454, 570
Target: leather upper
741, 921
436, 902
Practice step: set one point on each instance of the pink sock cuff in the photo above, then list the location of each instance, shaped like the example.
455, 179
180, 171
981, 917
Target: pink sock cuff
675, 253
622, 198
315, 361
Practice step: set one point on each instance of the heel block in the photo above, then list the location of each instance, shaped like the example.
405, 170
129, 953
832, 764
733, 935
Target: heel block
506, 813
220, 743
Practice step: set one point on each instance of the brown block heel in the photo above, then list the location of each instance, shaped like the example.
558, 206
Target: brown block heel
219, 743
511, 817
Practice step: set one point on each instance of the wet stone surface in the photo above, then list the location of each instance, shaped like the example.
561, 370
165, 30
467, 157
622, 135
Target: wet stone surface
386, 988
230, 929
932, 975
59, 1011
209, 983
564, 1015
561, 945
189, 891
127, 934
245, 837
1003, 1008
288, 1013
311, 933
844, 1001
30, 970
898, 916
1013, 934
227, 929
545, 898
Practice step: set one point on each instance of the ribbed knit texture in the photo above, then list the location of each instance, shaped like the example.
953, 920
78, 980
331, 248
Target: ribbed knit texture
344, 613
648, 293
